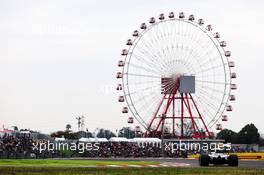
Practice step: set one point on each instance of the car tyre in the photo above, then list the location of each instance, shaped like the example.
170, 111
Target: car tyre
204, 160
233, 160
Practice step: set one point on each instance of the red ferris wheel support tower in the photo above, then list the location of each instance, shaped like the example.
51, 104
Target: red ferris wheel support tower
177, 90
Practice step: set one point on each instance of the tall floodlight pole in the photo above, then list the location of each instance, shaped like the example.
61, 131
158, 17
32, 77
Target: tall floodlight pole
80, 122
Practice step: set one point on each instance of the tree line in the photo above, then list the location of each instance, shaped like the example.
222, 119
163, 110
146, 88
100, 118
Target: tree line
247, 135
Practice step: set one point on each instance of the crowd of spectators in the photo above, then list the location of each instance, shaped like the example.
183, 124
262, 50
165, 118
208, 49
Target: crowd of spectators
242, 150
22, 146
128, 149
15, 146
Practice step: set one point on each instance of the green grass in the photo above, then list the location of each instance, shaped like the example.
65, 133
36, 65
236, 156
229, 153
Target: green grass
126, 171
81, 167
68, 163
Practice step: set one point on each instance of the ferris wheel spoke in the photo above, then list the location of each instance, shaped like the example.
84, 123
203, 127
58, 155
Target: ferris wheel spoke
211, 98
196, 46
144, 68
214, 121
211, 68
156, 55
196, 42
133, 105
196, 54
142, 75
169, 43
189, 67
140, 99
209, 61
173, 50
154, 34
205, 109
205, 51
216, 108
169, 87
173, 53
149, 64
161, 45
139, 83
143, 89
210, 89
186, 58
186, 47
208, 99
213, 89
211, 82
202, 109
149, 42
137, 116
161, 30
186, 64
151, 98
148, 53
165, 43
149, 108
152, 44
207, 105
154, 58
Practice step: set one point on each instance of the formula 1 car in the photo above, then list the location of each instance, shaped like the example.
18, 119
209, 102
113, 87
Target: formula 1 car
218, 158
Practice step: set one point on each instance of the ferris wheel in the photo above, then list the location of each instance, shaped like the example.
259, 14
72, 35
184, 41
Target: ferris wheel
176, 76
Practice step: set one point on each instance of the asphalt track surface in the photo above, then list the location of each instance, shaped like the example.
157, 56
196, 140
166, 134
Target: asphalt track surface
188, 162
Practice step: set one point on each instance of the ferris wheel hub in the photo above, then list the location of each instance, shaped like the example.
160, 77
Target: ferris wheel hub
176, 77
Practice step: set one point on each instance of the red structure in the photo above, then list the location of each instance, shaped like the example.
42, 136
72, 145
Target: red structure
173, 96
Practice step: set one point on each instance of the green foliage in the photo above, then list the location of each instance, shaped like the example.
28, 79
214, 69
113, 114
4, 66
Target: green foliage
15, 128
105, 133
228, 135
248, 134
68, 127
71, 135
126, 132
261, 141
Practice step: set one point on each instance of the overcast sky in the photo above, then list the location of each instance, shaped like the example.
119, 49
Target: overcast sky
58, 57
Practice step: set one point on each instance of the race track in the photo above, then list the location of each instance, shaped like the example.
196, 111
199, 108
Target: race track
181, 162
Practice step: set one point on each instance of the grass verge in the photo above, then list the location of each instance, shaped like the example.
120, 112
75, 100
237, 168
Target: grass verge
126, 171
67, 162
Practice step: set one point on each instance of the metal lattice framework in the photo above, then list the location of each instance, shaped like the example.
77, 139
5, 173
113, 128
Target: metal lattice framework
159, 53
